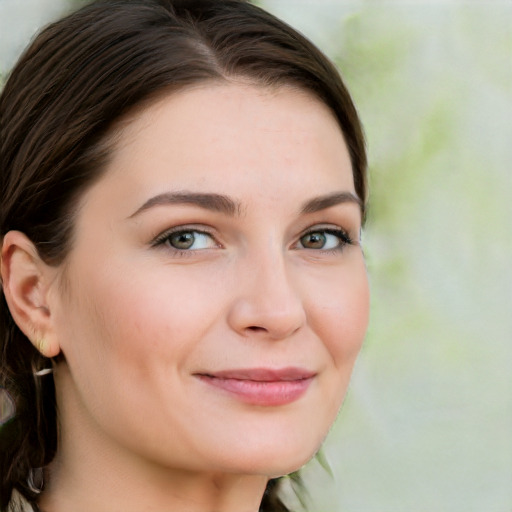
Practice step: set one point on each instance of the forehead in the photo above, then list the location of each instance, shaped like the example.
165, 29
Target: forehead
228, 138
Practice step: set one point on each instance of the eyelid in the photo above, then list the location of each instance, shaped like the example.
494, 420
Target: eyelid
343, 234
332, 229
161, 238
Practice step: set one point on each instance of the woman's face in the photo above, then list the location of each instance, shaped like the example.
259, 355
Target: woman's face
216, 294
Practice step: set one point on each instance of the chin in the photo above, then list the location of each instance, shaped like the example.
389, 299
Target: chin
278, 466
267, 443
272, 458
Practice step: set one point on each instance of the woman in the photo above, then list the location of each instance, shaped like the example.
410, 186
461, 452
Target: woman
183, 188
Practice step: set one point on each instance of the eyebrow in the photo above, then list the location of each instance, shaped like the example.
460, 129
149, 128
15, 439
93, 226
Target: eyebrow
214, 202
323, 202
228, 206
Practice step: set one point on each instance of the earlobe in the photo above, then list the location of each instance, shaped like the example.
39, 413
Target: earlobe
25, 281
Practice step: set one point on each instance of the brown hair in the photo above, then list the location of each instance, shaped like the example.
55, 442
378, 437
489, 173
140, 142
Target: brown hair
57, 110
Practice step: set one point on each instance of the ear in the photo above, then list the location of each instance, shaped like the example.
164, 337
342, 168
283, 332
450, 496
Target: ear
26, 280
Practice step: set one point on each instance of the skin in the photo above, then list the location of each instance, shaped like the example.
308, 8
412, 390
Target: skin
137, 320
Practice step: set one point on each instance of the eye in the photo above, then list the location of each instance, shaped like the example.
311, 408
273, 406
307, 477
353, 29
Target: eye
324, 239
186, 240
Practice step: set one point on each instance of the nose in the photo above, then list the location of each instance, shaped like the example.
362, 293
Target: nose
267, 303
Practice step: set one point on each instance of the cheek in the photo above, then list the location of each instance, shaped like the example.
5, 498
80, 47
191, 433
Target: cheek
340, 315
137, 319
128, 341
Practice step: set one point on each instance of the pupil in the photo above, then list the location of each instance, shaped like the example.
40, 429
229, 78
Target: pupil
182, 240
314, 240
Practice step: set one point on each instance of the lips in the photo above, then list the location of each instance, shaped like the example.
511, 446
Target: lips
261, 386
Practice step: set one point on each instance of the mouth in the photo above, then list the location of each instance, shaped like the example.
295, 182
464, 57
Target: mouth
261, 386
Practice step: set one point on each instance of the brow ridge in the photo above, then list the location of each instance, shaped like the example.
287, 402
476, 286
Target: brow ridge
226, 205
327, 201
210, 201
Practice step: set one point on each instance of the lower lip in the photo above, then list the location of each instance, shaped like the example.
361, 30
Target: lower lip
266, 393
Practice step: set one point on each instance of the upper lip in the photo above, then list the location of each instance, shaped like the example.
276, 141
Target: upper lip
262, 374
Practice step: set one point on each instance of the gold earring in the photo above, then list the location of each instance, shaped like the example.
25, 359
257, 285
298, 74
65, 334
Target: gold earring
42, 346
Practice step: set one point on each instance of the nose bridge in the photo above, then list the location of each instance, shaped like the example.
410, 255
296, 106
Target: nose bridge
267, 301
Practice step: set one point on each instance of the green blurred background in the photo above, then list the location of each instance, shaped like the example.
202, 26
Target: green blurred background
427, 424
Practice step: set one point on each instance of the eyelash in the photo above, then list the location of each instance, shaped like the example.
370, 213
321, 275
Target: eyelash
343, 237
164, 238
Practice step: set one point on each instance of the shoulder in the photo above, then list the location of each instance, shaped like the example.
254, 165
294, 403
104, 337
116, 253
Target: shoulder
19, 504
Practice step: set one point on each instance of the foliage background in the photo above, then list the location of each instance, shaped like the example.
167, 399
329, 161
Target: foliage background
427, 423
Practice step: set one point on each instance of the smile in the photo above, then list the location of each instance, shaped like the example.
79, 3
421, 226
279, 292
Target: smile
259, 386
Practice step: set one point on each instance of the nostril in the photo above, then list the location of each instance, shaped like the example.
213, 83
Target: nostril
256, 328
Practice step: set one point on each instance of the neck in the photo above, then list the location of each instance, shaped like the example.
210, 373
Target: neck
191, 493
92, 472
93, 485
